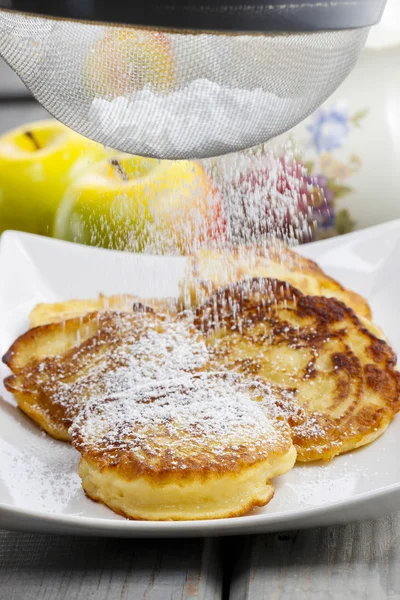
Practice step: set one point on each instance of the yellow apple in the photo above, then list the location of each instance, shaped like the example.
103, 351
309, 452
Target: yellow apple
124, 61
141, 204
37, 164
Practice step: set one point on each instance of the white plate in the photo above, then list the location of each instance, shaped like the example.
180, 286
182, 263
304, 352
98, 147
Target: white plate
39, 485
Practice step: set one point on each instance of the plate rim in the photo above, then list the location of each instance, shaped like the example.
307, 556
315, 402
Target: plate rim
233, 525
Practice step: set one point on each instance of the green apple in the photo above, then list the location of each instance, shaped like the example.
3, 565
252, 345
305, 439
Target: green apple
140, 204
37, 164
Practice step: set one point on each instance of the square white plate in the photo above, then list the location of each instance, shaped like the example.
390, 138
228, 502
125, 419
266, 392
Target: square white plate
39, 486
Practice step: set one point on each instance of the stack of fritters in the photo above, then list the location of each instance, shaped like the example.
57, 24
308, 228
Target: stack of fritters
158, 439
189, 415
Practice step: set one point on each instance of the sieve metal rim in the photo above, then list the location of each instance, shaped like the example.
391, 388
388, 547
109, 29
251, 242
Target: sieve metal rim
217, 16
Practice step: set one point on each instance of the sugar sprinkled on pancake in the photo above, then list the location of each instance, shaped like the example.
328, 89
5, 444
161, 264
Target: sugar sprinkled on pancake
200, 446
59, 367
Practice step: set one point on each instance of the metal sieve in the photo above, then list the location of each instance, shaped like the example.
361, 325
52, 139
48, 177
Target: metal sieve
182, 80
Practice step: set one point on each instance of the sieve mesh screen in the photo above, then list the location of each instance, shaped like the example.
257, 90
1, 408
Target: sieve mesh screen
172, 94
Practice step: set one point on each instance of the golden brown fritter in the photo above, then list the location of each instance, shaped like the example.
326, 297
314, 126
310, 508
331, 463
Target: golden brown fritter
210, 269
59, 367
341, 383
200, 446
56, 312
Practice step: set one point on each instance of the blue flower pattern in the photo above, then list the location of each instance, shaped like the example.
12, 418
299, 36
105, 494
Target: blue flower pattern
329, 127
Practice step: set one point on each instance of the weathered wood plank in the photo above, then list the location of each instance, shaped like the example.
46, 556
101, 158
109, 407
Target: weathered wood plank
353, 562
39, 567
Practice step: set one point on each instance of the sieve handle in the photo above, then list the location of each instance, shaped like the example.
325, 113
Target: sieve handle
217, 15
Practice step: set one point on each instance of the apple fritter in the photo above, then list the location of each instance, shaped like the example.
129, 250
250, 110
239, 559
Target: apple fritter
210, 269
201, 446
45, 313
341, 383
58, 367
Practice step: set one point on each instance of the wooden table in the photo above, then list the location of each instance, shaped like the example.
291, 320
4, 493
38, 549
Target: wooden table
352, 562
348, 562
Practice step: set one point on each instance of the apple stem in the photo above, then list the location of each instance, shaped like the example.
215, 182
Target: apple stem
115, 163
30, 135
